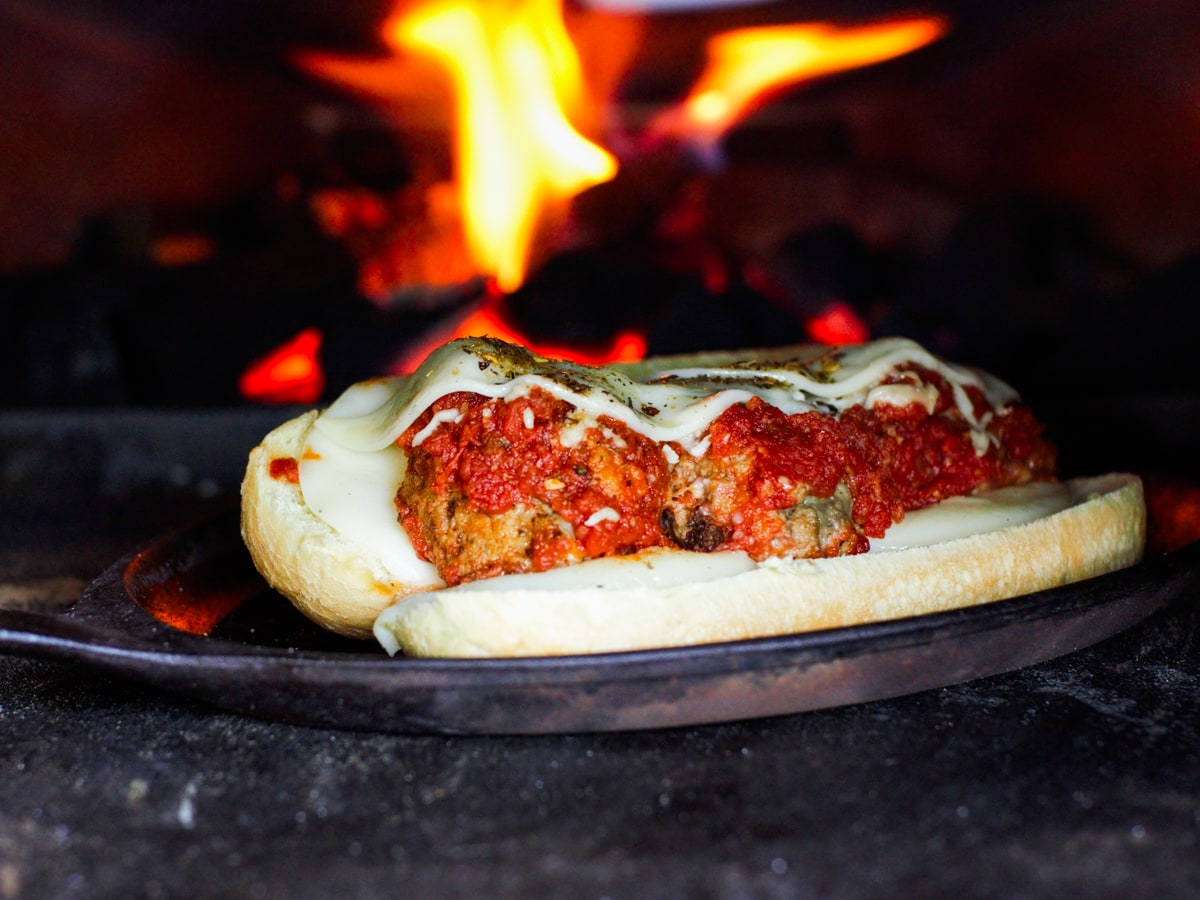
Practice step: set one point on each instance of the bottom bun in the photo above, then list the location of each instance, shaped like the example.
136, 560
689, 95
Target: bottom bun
1103, 531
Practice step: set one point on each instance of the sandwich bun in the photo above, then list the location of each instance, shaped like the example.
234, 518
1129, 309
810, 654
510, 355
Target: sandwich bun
349, 589
1102, 531
338, 583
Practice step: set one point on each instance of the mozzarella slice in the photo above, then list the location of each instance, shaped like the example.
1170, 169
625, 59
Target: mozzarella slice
677, 405
957, 517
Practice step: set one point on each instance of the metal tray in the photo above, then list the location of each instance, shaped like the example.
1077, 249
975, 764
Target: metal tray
188, 613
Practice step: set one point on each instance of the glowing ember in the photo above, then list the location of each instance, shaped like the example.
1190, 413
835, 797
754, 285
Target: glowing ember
1173, 506
291, 373
838, 323
341, 212
488, 320
746, 65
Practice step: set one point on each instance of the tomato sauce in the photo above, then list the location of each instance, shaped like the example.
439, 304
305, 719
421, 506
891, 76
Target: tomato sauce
762, 457
284, 468
608, 486
609, 483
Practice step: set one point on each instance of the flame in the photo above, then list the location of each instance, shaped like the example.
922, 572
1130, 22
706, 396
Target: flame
744, 66
488, 320
519, 95
518, 87
517, 80
514, 70
291, 373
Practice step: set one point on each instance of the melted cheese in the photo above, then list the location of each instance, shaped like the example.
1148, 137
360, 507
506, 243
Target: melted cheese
351, 467
677, 405
958, 517
353, 492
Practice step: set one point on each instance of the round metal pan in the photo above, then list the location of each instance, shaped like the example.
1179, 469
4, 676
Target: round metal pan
233, 642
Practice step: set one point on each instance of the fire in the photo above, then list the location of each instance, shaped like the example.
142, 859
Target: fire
291, 373
519, 92
744, 66
517, 83
488, 320
519, 97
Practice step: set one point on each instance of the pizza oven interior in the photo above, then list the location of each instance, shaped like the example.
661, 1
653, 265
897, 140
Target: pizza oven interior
1022, 195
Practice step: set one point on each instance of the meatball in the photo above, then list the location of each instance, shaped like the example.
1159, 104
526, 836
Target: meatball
528, 485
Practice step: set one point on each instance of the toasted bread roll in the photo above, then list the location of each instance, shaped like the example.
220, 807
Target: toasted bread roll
1103, 531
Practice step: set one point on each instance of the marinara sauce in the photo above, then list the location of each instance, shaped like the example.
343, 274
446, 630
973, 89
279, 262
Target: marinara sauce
575, 489
602, 484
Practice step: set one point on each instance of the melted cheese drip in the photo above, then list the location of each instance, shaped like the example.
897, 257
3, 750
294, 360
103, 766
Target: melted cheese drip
351, 467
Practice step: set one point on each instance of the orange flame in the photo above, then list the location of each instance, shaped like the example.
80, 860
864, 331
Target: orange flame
488, 320
746, 65
518, 87
517, 81
514, 70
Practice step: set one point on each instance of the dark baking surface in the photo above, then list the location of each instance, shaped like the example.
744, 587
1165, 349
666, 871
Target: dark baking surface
188, 612
1075, 777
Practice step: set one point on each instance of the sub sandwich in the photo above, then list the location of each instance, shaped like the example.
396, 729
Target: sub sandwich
498, 503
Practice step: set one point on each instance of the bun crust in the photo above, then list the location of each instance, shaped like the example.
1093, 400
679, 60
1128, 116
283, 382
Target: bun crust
1102, 532
338, 584
344, 587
